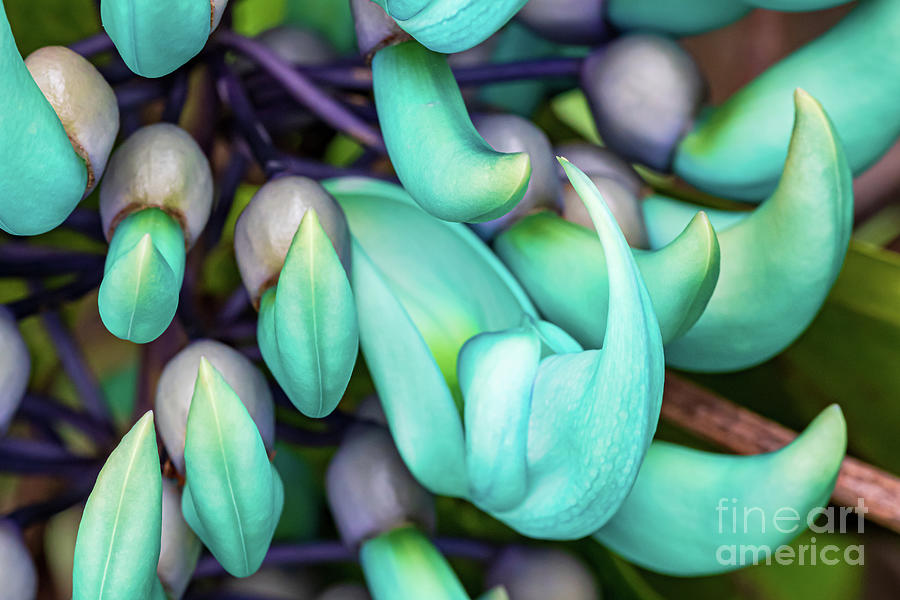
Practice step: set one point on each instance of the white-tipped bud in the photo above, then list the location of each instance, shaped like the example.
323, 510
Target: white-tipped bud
83, 101
179, 546
15, 367
370, 490
158, 166
175, 391
541, 573
19, 579
266, 228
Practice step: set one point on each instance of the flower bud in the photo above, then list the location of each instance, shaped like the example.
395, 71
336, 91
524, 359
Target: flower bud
511, 133
542, 573
84, 102
619, 184
19, 577
567, 21
158, 166
15, 367
370, 490
644, 91
179, 548
267, 226
176, 389
375, 29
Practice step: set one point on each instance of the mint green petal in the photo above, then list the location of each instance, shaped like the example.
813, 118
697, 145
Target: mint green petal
685, 17
738, 150
496, 373
155, 37
42, 178
562, 266
779, 263
440, 158
233, 497
421, 412
666, 218
449, 26
679, 518
143, 274
314, 322
119, 536
612, 399
404, 565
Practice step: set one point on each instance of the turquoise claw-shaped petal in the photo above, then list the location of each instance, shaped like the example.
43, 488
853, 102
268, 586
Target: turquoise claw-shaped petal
142, 279
449, 26
118, 542
562, 266
404, 565
233, 497
685, 17
737, 149
42, 178
779, 262
307, 326
440, 158
680, 517
155, 37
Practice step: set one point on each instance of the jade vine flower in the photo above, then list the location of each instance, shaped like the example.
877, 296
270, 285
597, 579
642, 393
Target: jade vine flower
293, 251
668, 524
15, 368
737, 148
63, 121
155, 37
778, 262
434, 302
118, 543
154, 203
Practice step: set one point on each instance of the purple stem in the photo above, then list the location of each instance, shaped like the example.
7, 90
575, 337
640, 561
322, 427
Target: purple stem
95, 44
41, 458
228, 185
303, 90
177, 96
76, 367
50, 299
137, 93
25, 260
49, 410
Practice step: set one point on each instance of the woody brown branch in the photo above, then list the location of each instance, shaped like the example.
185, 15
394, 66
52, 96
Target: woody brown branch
734, 428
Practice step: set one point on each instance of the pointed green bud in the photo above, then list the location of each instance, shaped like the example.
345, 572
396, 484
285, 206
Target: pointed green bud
176, 388
119, 537
233, 497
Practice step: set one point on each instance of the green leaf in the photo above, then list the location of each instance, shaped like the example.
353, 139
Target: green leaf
233, 496
119, 537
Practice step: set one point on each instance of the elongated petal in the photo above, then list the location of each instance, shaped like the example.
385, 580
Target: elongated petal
15, 368
155, 37
666, 218
144, 269
612, 401
19, 575
233, 497
497, 371
562, 266
42, 178
449, 26
314, 322
680, 514
439, 157
119, 537
404, 565
739, 148
685, 17
779, 263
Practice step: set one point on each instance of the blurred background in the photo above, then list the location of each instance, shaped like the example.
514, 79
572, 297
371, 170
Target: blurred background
850, 355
